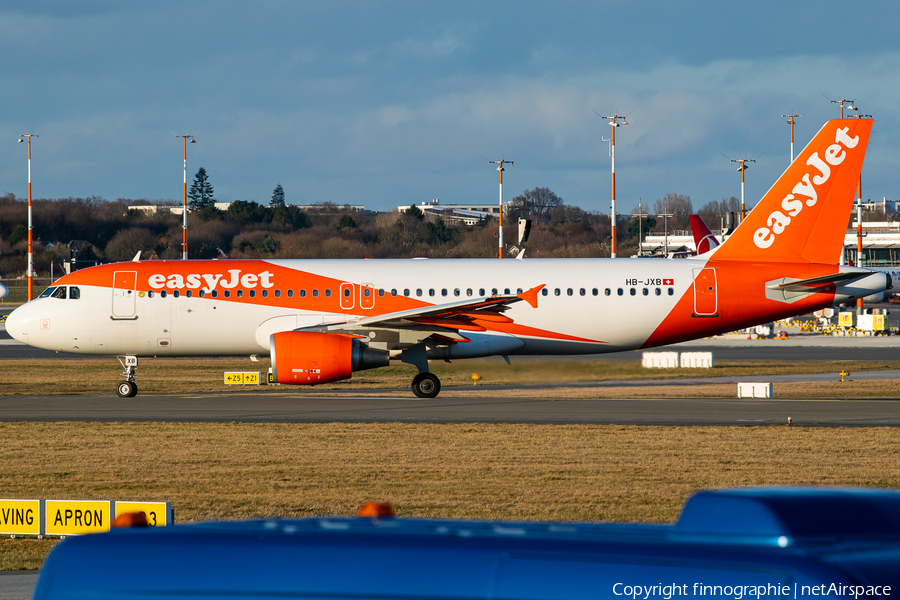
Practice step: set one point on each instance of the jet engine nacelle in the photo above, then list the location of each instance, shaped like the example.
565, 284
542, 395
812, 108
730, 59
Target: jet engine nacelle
310, 358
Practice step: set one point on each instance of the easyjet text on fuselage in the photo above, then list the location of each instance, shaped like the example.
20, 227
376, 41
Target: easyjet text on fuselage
209, 281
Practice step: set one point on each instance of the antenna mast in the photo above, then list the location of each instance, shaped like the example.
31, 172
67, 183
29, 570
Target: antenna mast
742, 168
500, 168
614, 121
791, 121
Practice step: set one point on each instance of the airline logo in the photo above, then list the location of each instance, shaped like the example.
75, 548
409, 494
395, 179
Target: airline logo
194, 281
805, 190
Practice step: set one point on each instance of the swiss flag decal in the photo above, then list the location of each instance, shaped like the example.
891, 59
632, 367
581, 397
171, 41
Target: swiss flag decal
668, 282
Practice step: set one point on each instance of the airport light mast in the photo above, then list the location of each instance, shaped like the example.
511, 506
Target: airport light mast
30, 240
500, 168
641, 215
842, 102
614, 121
184, 252
742, 168
791, 121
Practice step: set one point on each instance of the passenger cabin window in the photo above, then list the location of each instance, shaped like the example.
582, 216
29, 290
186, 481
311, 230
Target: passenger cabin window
265, 293
418, 292
303, 293
315, 293
481, 291
506, 291
215, 294
596, 292
646, 291
278, 293
582, 292
607, 291
406, 293
150, 294
658, 292
444, 292
569, 292
469, 292
633, 292
556, 292
671, 292
290, 293
620, 291
163, 294
545, 292
493, 291
327, 293
240, 293
431, 292
367, 292
202, 293
346, 292
252, 293
176, 293
190, 293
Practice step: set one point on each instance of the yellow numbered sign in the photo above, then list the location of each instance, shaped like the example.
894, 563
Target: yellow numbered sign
20, 517
157, 512
74, 517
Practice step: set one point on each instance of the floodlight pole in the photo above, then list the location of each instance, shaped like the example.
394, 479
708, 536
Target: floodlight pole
30, 239
184, 252
614, 121
791, 121
500, 168
742, 168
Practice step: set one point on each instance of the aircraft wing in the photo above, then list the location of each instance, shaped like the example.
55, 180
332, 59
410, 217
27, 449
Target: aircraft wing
444, 320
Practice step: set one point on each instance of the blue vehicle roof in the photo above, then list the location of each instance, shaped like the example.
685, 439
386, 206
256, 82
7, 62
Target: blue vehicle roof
754, 539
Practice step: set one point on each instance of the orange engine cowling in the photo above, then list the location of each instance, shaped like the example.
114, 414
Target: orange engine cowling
309, 357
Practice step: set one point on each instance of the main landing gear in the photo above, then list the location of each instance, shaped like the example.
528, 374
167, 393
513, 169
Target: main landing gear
426, 385
128, 388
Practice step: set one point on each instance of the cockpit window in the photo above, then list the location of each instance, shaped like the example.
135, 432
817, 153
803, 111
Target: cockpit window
46, 293
60, 292
74, 293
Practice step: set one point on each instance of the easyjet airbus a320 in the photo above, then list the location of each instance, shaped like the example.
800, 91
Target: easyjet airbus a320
321, 320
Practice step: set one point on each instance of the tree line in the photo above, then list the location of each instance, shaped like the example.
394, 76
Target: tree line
109, 231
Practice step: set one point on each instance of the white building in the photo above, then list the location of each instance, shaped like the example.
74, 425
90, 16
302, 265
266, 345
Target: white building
469, 214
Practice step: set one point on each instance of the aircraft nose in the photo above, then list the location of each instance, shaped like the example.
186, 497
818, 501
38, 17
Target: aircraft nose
15, 325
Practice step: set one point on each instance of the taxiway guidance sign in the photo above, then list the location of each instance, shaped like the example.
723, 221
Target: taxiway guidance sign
74, 517
20, 517
242, 378
159, 514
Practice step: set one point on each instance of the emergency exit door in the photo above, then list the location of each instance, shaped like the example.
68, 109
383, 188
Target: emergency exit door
706, 301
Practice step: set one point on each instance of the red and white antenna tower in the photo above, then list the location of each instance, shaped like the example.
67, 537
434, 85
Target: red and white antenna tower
30, 240
614, 121
500, 168
791, 122
184, 252
742, 168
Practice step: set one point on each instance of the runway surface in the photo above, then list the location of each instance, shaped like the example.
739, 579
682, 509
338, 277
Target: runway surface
349, 408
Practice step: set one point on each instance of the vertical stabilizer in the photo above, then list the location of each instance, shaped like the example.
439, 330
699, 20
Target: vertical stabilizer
803, 217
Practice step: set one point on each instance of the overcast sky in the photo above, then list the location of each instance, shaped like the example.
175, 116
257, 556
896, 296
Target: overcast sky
385, 103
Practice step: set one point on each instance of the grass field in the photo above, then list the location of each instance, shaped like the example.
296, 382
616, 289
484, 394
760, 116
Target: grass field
531, 472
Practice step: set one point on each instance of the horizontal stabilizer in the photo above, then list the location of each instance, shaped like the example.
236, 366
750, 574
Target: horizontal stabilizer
816, 283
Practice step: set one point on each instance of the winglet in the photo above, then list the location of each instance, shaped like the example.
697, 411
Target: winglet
531, 295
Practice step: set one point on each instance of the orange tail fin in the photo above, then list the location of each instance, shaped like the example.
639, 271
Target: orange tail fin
803, 217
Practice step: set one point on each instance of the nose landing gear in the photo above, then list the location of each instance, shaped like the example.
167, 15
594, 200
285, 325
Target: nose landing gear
128, 388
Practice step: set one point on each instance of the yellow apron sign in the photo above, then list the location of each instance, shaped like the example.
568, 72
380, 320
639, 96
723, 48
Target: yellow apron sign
74, 517
20, 517
158, 513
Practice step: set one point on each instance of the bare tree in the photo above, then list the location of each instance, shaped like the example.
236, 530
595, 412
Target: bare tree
677, 205
538, 202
